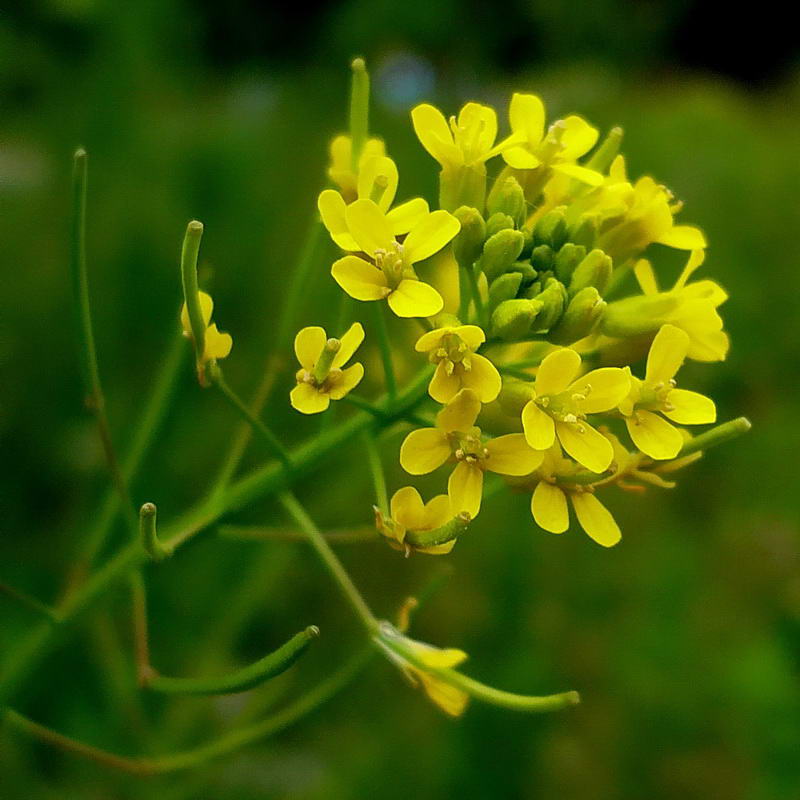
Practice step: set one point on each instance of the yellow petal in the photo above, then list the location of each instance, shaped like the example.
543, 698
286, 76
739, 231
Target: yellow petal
683, 237
579, 137
350, 342
666, 354
332, 210
308, 400
407, 508
583, 174
443, 386
526, 115
519, 157
465, 489
595, 519
709, 346
430, 340
646, 276
347, 381
308, 345
695, 260
404, 217
460, 413
549, 507
423, 451
437, 657
585, 445
603, 388
206, 309
434, 134
429, 236
472, 336
512, 455
540, 430
480, 124
690, 408
368, 226
415, 299
557, 371
449, 698
217, 345
437, 512
483, 378
377, 181
653, 435
360, 279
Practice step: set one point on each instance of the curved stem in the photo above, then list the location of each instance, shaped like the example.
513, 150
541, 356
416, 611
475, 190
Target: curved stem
516, 702
385, 347
376, 470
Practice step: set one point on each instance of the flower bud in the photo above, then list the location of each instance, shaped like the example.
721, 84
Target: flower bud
512, 319
468, 244
567, 258
553, 300
505, 287
582, 314
584, 231
594, 270
529, 274
508, 199
498, 222
542, 258
500, 252
552, 228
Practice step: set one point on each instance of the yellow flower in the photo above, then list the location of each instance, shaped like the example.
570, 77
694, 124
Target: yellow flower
656, 395
530, 147
421, 663
377, 181
560, 402
217, 345
467, 140
390, 273
322, 376
549, 503
452, 349
456, 438
409, 515
340, 170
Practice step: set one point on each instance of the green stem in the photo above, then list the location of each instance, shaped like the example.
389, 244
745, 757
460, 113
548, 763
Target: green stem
376, 470
29, 602
717, 435
272, 441
359, 111
191, 293
315, 537
258, 672
262, 533
385, 347
477, 300
516, 702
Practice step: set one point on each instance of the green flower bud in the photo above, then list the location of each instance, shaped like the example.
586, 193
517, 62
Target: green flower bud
582, 315
602, 157
468, 244
498, 222
553, 300
594, 270
504, 288
445, 320
552, 228
508, 199
567, 258
542, 258
500, 252
514, 395
584, 231
529, 274
512, 319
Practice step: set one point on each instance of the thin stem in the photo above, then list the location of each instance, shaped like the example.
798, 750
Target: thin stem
29, 602
717, 435
278, 450
376, 470
140, 633
385, 347
516, 702
263, 533
477, 300
191, 293
359, 111
298, 513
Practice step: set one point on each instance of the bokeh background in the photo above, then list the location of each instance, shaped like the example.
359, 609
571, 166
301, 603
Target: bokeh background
684, 640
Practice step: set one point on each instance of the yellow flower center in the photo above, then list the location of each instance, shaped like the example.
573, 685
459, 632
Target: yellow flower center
452, 350
566, 406
468, 138
391, 263
655, 397
468, 446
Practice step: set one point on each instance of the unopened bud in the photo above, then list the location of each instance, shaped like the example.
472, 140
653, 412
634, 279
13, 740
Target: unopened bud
500, 252
505, 287
582, 315
508, 199
584, 231
498, 222
552, 228
567, 258
512, 319
594, 270
542, 258
553, 299
468, 243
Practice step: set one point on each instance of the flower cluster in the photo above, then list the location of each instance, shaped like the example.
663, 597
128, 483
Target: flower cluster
536, 351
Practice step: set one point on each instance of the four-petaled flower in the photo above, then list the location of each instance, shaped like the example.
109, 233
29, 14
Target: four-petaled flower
458, 366
322, 376
456, 438
549, 502
559, 404
341, 170
656, 395
390, 273
530, 147
216, 345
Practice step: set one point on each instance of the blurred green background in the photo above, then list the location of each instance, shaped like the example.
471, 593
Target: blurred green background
684, 640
